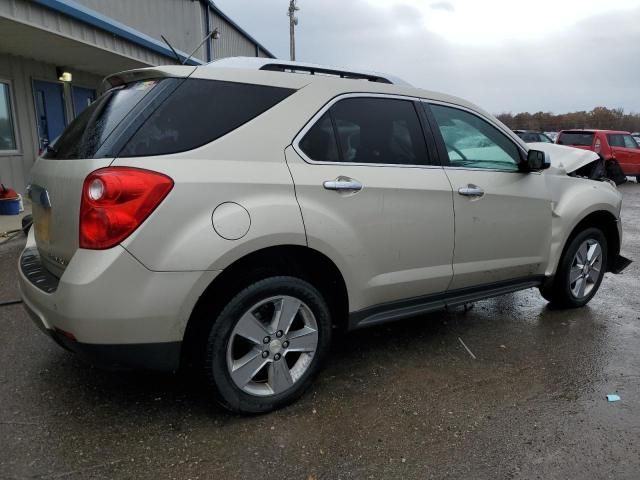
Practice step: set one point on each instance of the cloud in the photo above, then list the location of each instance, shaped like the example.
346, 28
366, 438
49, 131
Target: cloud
580, 66
444, 5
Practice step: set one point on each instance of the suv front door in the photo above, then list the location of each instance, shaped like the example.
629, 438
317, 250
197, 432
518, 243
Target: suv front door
502, 215
373, 200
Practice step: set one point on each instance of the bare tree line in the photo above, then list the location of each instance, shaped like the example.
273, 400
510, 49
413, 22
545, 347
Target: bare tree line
599, 117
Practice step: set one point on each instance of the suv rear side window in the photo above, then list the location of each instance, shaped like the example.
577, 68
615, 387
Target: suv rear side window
199, 112
368, 130
581, 139
163, 116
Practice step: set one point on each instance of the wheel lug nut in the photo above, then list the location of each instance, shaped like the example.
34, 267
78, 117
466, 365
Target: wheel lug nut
279, 333
265, 354
285, 344
276, 356
266, 340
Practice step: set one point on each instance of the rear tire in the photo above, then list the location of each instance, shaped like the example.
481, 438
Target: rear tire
267, 345
580, 271
638, 178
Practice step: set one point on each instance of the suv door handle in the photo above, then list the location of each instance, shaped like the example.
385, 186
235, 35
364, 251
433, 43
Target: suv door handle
343, 183
471, 191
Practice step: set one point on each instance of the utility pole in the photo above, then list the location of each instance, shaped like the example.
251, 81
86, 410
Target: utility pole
293, 21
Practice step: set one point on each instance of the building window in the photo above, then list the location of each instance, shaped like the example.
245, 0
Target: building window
7, 131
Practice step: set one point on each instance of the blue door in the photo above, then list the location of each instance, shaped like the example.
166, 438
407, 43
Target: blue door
82, 98
50, 116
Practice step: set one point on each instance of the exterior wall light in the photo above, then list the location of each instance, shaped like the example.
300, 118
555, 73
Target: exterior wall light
63, 75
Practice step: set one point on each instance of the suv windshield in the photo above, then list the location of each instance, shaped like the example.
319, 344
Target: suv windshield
583, 139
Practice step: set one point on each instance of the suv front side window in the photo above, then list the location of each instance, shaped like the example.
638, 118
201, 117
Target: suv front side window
474, 143
368, 130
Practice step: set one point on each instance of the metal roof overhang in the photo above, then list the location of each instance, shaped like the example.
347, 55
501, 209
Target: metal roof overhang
91, 17
31, 42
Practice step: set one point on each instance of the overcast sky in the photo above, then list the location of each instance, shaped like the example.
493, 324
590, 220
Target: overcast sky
506, 56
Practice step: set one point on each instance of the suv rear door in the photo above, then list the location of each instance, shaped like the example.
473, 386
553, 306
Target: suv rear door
503, 216
373, 198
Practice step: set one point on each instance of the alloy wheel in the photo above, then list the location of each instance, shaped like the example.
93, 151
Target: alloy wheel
272, 345
586, 268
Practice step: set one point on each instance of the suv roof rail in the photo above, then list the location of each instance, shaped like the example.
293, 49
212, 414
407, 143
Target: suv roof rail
270, 64
280, 67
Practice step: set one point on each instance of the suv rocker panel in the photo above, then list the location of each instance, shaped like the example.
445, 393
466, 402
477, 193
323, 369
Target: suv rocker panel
388, 312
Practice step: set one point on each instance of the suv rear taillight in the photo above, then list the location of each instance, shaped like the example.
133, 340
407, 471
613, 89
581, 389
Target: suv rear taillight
115, 201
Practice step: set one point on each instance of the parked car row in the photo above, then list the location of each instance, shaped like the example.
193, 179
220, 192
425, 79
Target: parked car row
616, 148
620, 150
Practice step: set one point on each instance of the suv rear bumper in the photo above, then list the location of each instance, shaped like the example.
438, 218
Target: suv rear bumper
163, 357
110, 309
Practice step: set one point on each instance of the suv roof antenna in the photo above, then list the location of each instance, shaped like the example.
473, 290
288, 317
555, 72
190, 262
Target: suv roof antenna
172, 49
215, 34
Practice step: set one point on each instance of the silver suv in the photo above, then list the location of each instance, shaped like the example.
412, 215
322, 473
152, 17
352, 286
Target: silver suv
228, 216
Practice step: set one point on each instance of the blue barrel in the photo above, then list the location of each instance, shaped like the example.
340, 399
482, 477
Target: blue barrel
10, 206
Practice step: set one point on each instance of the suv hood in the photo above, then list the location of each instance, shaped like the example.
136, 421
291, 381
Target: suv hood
565, 159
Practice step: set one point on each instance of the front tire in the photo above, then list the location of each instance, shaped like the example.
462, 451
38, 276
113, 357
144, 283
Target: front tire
267, 344
580, 271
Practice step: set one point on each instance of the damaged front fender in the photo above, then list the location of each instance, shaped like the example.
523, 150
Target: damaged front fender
577, 162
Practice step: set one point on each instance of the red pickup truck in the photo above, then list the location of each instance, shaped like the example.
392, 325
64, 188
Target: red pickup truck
612, 145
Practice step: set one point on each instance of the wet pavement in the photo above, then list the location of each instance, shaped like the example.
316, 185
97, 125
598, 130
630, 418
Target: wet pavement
399, 401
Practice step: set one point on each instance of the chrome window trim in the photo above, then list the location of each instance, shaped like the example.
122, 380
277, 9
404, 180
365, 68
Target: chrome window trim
508, 134
313, 120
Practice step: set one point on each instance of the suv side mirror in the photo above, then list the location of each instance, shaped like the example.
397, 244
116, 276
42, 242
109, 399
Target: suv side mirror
537, 160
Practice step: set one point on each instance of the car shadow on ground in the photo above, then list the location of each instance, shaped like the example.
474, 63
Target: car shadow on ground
432, 339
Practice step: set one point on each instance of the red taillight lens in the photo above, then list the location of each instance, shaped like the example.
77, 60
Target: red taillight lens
115, 201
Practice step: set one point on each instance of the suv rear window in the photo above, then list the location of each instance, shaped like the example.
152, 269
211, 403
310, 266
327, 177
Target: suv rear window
158, 117
583, 139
